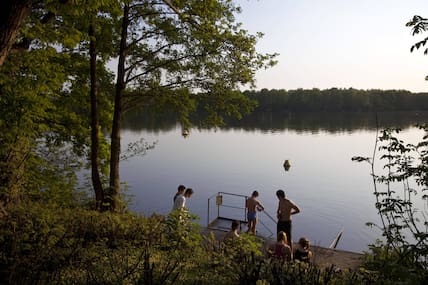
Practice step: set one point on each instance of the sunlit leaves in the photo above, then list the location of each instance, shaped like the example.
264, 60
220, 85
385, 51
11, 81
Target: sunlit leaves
396, 191
361, 159
419, 25
137, 148
45, 90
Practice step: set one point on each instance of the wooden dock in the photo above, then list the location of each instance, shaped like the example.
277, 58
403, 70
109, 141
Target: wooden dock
323, 257
224, 207
326, 257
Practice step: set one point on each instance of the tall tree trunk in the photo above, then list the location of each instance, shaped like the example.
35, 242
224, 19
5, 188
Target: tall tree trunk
12, 15
115, 132
95, 174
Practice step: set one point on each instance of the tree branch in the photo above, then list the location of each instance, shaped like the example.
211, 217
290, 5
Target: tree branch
165, 63
151, 55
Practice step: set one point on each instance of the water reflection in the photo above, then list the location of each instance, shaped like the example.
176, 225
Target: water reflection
332, 191
313, 122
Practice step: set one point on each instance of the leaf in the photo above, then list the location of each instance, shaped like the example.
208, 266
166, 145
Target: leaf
360, 159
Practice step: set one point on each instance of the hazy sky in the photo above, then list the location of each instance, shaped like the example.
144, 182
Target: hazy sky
363, 44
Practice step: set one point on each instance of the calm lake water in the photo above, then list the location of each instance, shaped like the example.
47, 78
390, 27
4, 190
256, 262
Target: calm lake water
332, 191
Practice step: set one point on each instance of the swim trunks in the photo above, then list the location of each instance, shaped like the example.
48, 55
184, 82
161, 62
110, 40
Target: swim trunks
284, 226
251, 216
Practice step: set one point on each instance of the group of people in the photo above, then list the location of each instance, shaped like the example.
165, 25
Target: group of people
283, 248
180, 198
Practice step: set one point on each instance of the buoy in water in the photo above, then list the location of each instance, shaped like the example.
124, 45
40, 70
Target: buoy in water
185, 133
287, 165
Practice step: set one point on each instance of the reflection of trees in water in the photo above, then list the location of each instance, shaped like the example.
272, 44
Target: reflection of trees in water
300, 122
330, 122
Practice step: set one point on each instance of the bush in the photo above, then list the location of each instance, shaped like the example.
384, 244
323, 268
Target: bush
401, 257
45, 244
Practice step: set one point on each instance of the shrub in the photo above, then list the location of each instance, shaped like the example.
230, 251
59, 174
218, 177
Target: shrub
401, 256
46, 244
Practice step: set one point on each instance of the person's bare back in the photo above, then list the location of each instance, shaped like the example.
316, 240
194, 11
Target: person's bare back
286, 208
253, 205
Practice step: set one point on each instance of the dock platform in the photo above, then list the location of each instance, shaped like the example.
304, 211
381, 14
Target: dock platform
323, 257
224, 207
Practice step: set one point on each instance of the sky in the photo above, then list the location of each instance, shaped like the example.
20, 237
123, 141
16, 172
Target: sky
361, 44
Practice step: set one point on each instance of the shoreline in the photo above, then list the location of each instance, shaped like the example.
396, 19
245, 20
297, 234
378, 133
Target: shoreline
323, 257
327, 257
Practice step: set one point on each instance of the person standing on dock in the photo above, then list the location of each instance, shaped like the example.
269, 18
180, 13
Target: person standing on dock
286, 208
180, 191
253, 205
187, 194
180, 200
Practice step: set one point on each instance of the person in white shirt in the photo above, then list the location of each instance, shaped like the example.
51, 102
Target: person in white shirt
180, 191
180, 200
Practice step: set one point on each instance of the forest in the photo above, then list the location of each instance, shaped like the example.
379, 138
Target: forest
338, 100
301, 108
70, 70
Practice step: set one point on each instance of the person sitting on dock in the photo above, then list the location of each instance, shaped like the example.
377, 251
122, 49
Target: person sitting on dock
233, 233
253, 205
281, 250
302, 251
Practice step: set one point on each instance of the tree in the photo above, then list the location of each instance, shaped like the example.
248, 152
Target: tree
178, 55
45, 100
101, 23
402, 254
12, 16
35, 121
419, 25
181, 53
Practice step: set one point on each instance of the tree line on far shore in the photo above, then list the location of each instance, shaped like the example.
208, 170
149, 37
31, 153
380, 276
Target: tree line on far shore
279, 101
276, 105
337, 100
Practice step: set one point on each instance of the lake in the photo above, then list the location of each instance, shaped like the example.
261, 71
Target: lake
332, 191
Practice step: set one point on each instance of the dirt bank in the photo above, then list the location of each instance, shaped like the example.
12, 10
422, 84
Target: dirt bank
326, 257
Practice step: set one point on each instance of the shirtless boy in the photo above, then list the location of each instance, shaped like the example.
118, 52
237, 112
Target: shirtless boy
286, 208
253, 205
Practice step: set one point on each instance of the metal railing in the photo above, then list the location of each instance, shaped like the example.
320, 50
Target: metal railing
231, 206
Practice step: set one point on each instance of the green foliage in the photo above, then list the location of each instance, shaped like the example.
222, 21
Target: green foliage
171, 51
337, 100
45, 244
182, 48
393, 267
402, 255
45, 104
30, 149
419, 25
